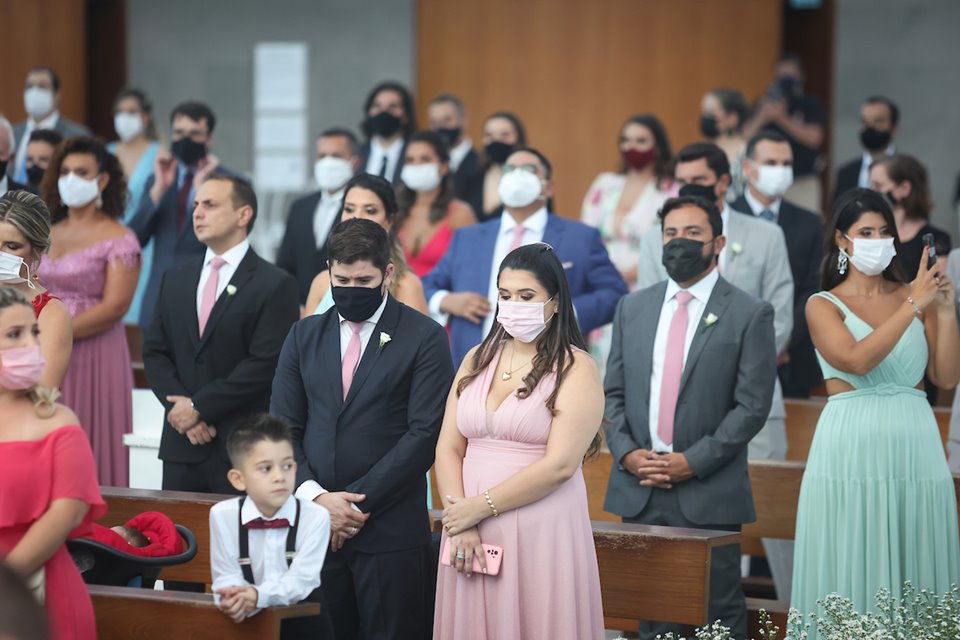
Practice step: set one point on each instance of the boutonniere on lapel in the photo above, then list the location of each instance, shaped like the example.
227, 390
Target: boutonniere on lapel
710, 319
231, 289
736, 248
384, 339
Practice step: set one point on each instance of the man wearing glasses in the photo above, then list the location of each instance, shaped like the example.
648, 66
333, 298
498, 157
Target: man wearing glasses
462, 289
165, 212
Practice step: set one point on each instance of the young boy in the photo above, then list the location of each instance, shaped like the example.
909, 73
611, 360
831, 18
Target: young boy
267, 547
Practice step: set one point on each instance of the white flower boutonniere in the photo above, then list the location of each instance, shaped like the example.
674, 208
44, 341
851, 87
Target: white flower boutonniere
231, 289
384, 338
736, 248
710, 319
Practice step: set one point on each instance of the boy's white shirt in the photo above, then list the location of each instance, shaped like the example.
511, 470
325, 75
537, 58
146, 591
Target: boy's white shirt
277, 584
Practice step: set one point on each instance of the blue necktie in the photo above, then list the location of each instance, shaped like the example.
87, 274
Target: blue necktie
766, 214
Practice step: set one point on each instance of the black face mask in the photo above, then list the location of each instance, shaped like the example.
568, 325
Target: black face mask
3, 168
699, 191
708, 127
35, 174
874, 139
684, 260
449, 136
357, 304
188, 152
383, 124
788, 86
498, 152
888, 196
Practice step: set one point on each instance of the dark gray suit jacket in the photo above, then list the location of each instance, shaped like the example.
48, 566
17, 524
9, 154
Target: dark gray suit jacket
67, 128
725, 396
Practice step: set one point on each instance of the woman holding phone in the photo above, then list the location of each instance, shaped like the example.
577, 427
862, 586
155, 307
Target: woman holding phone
877, 504
524, 409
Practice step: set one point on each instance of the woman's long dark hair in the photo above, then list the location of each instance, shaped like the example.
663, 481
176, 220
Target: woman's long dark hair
848, 209
406, 196
663, 165
406, 98
113, 197
555, 345
388, 198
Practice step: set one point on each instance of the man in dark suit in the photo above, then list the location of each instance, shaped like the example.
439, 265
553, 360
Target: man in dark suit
363, 386
388, 124
303, 252
448, 118
768, 169
41, 101
462, 288
212, 349
163, 214
6, 153
879, 125
689, 383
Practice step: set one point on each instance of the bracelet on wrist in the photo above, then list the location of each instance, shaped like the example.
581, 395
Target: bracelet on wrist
493, 507
916, 309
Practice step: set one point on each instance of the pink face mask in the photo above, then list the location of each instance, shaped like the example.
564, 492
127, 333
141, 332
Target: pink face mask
522, 320
20, 368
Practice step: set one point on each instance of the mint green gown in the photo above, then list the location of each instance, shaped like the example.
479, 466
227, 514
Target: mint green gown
877, 504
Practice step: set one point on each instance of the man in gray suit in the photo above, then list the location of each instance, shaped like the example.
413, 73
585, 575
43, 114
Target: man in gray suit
689, 383
41, 100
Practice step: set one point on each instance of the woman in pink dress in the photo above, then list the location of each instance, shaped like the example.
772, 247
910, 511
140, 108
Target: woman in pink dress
48, 484
93, 265
429, 214
524, 410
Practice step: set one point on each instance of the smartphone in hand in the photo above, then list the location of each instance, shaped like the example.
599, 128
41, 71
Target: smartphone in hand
928, 242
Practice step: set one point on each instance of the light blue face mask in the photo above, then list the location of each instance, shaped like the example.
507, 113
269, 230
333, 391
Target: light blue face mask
10, 266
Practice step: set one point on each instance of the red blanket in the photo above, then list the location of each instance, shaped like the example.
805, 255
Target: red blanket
156, 527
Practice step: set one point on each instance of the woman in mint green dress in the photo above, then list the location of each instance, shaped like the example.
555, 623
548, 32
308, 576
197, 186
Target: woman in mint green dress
877, 503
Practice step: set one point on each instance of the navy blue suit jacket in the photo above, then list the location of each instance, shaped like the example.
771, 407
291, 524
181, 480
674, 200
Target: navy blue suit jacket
595, 284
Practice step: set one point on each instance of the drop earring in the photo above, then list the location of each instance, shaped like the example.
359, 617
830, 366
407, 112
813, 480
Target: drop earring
842, 262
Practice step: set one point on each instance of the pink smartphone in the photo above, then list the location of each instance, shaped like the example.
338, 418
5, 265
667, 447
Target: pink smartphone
494, 556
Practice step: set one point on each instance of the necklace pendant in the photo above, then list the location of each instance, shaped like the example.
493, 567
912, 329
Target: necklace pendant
505, 376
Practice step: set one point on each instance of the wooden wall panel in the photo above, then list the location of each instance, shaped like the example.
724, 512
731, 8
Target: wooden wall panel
575, 70
43, 33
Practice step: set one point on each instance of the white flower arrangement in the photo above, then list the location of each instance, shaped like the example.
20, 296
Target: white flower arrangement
710, 319
384, 338
736, 248
231, 289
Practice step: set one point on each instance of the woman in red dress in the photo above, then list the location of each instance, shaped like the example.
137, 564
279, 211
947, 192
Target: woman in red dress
429, 214
48, 483
25, 234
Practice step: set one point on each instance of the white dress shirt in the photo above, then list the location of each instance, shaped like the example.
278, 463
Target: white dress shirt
276, 583
533, 229
310, 489
757, 207
326, 213
863, 180
49, 122
459, 152
701, 293
233, 257
378, 153
3, 184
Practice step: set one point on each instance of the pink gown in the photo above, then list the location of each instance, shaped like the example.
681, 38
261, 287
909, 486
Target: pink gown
549, 583
98, 384
34, 474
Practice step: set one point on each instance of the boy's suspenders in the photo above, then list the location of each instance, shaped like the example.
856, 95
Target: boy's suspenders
244, 559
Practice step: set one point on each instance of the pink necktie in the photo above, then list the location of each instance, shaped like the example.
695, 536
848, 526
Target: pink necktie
517, 237
210, 292
351, 358
673, 368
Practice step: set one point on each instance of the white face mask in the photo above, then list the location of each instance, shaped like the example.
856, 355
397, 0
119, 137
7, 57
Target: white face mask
127, 125
421, 177
10, 266
519, 188
38, 101
871, 257
332, 173
773, 182
76, 191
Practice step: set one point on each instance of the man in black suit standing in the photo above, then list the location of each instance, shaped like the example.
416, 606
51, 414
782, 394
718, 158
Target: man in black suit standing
303, 252
363, 387
163, 214
212, 348
768, 167
448, 118
879, 125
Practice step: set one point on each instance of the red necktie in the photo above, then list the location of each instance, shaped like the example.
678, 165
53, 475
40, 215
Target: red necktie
673, 368
260, 523
351, 358
182, 196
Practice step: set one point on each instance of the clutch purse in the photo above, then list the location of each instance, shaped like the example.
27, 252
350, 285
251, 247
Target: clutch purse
37, 584
494, 556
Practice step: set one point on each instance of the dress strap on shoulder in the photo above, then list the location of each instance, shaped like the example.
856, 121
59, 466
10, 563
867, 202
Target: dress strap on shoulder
835, 300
